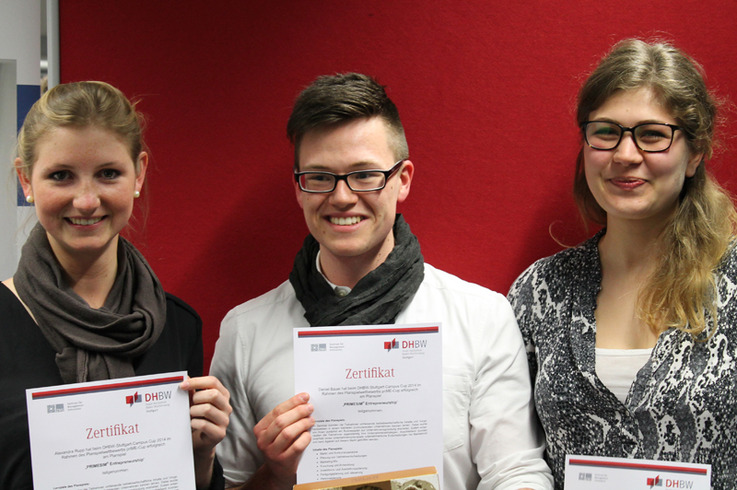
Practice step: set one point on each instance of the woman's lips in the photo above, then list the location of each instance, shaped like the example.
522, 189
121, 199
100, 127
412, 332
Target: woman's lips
627, 182
85, 221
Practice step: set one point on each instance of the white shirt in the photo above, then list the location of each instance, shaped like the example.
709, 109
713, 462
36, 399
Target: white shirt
489, 435
341, 291
617, 368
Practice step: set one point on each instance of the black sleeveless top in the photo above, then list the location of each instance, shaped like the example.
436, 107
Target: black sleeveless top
27, 361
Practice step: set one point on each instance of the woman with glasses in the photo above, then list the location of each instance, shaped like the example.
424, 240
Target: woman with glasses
84, 305
632, 335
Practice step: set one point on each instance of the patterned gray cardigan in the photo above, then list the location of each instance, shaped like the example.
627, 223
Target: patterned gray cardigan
683, 403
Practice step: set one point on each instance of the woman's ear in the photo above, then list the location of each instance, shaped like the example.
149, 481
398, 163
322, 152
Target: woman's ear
25, 180
693, 163
141, 173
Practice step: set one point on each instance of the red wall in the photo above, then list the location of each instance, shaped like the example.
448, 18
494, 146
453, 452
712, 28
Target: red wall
486, 91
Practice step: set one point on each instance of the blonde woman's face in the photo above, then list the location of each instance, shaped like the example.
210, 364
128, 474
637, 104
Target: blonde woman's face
629, 183
83, 184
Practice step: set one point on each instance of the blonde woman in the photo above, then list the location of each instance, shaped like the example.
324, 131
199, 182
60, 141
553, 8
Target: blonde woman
84, 304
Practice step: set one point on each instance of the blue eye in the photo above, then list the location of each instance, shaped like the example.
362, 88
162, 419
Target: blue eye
318, 178
109, 174
606, 131
60, 175
365, 175
650, 134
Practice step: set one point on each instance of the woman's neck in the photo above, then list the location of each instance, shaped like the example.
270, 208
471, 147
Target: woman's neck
628, 257
91, 276
629, 245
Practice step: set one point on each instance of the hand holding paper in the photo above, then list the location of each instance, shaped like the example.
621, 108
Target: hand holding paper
209, 417
283, 435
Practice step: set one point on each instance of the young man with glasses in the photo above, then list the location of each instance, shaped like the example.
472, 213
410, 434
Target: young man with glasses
361, 265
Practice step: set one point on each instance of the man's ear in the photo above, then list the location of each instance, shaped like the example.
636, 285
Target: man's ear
298, 193
405, 180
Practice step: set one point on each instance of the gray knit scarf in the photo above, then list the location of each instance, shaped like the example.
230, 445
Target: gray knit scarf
92, 344
376, 299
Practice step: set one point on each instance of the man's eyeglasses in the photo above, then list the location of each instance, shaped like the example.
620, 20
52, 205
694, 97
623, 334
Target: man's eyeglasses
649, 137
358, 181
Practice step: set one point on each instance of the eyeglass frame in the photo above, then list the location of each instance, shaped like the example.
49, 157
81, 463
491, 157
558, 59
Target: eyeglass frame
344, 177
632, 129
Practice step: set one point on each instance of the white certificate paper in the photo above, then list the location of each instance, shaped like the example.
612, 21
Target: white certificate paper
600, 473
131, 433
377, 393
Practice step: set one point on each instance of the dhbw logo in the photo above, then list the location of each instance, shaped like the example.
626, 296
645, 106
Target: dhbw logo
655, 482
131, 399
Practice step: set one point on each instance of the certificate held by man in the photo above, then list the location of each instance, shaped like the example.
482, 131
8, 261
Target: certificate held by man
377, 397
122, 433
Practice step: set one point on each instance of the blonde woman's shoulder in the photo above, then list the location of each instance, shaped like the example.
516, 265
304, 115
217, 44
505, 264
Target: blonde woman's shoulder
8, 283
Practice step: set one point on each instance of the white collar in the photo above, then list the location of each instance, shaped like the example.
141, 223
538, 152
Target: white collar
338, 290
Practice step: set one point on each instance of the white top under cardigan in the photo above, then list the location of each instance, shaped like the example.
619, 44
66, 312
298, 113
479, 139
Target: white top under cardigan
617, 368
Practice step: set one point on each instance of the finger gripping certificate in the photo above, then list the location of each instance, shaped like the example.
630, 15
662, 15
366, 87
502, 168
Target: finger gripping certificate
128, 433
377, 393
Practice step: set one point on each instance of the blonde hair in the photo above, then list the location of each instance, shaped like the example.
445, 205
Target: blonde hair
682, 289
80, 104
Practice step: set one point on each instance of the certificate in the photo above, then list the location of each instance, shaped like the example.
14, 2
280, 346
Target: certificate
600, 473
377, 394
131, 433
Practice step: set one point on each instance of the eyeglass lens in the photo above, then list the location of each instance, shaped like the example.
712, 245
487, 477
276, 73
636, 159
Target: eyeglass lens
603, 135
357, 181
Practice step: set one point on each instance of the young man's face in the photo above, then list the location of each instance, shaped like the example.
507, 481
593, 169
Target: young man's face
352, 227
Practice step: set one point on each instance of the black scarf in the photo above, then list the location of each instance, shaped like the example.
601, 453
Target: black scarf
92, 344
377, 298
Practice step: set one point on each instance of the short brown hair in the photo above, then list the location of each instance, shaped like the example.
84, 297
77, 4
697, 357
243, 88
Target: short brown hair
334, 99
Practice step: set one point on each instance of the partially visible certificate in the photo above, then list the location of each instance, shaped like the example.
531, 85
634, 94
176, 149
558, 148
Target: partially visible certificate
600, 473
377, 393
122, 433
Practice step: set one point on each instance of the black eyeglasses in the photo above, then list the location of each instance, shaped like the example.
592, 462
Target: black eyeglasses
649, 137
359, 181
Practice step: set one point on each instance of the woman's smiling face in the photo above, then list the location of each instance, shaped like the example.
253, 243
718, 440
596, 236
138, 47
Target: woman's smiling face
631, 184
83, 183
